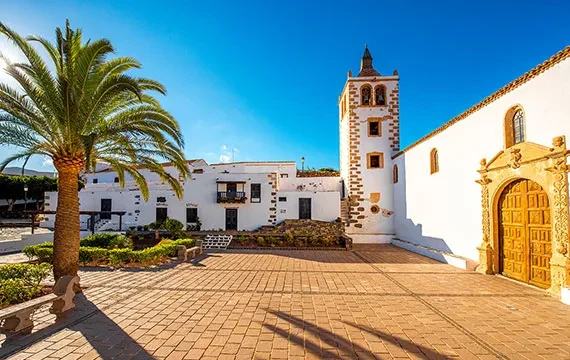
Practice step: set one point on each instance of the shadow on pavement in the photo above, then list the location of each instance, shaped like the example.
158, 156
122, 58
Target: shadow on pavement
107, 338
343, 346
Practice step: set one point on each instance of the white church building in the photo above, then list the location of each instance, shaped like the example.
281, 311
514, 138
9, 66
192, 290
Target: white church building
490, 186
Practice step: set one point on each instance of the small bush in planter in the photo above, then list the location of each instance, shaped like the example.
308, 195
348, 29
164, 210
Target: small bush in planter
271, 241
288, 237
21, 282
42, 252
260, 241
173, 226
242, 239
313, 240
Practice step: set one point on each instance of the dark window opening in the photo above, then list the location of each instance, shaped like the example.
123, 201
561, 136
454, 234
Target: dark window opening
191, 215
116, 179
161, 214
95, 181
198, 171
380, 95
255, 193
374, 161
365, 94
161, 199
282, 199
374, 128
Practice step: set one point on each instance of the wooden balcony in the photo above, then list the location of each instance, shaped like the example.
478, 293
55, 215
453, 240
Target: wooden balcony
231, 197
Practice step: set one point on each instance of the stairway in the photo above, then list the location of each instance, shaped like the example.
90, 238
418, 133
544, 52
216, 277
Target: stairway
218, 242
102, 225
345, 212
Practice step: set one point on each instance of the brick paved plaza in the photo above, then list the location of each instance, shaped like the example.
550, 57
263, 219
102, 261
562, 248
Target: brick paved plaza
375, 302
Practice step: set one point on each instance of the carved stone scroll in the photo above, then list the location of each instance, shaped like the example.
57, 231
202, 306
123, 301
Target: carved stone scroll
486, 249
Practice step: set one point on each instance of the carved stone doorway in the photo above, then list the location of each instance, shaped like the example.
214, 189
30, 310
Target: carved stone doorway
525, 233
538, 175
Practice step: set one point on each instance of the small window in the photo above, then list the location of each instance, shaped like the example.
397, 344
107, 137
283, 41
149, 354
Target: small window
374, 128
191, 215
161, 199
255, 193
395, 174
365, 95
198, 171
434, 161
518, 126
95, 181
283, 176
375, 160
161, 214
282, 199
380, 95
514, 126
116, 179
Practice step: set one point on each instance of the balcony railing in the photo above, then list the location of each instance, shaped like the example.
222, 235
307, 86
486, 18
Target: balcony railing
231, 197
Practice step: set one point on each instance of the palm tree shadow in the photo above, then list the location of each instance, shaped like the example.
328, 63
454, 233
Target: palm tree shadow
345, 347
105, 336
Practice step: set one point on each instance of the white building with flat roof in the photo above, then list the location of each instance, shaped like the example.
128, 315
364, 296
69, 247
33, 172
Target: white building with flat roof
227, 196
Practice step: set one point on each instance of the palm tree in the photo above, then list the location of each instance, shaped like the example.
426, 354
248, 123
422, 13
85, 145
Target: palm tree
87, 109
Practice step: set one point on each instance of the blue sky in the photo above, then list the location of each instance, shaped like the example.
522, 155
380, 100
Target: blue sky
264, 77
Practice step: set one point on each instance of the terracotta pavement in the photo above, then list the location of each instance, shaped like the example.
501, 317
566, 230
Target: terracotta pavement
377, 302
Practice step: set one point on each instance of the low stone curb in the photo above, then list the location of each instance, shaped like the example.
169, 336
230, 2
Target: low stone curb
287, 248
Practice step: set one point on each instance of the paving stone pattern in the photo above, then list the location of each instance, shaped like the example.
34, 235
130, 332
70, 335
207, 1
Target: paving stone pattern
377, 302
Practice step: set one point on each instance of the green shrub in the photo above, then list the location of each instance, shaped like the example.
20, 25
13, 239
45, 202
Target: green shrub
260, 241
92, 254
314, 239
116, 256
173, 226
271, 241
42, 252
186, 242
288, 237
107, 241
242, 239
21, 282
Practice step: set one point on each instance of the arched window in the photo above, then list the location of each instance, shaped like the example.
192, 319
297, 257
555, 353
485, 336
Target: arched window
514, 126
380, 95
395, 174
434, 161
365, 95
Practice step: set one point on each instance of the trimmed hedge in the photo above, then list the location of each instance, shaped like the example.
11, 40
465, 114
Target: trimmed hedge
90, 255
21, 282
107, 241
42, 252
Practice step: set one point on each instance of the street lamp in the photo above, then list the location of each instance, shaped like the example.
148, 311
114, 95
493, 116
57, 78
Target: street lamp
303, 164
25, 197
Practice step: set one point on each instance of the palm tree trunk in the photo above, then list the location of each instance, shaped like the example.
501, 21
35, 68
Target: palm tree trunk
66, 232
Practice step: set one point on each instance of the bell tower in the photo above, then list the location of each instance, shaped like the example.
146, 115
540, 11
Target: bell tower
369, 136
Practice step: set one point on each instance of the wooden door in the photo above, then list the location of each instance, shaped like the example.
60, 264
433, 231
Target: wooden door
231, 219
524, 230
304, 208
